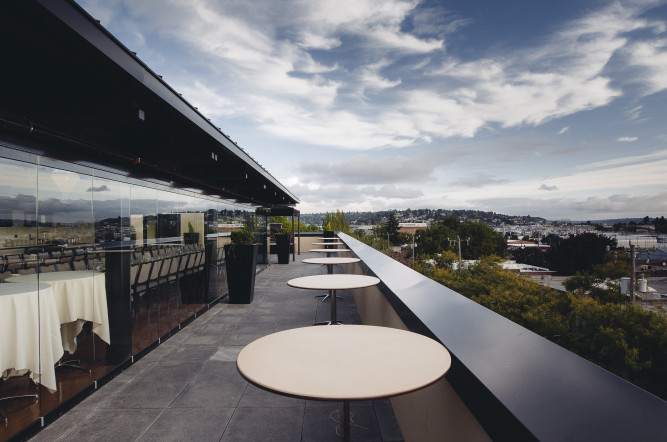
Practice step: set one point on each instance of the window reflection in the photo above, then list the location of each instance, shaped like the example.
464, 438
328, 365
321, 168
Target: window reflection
19, 303
109, 265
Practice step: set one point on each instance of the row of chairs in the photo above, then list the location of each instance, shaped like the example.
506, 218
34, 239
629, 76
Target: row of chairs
60, 259
145, 275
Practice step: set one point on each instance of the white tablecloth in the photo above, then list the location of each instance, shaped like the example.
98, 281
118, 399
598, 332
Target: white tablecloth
80, 297
30, 333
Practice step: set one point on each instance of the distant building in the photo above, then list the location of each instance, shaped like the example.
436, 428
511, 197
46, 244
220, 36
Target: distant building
526, 269
411, 227
513, 244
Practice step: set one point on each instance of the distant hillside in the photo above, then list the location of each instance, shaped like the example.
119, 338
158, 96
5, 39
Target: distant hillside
426, 215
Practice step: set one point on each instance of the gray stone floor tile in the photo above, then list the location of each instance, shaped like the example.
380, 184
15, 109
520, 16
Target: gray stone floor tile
116, 425
217, 396
144, 395
189, 424
255, 397
171, 371
206, 339
192, 353
264, 424
62, 425
227, 353
243, 339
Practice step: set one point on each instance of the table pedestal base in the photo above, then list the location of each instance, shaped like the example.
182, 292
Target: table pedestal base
334, 313
345, 421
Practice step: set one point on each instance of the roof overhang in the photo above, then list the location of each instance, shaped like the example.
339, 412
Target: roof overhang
73, 92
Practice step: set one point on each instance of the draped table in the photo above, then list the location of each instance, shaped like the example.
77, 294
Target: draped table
80, 296
30, 331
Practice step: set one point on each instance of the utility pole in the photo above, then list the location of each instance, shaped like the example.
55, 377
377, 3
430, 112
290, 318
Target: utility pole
632, 273
458, 239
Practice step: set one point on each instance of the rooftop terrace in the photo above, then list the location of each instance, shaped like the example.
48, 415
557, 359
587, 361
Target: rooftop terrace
188, 388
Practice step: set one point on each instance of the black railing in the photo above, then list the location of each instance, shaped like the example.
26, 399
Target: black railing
517, 384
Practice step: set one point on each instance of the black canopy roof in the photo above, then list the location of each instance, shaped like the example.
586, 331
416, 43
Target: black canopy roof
71, 91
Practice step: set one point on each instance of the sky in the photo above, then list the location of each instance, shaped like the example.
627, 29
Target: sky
555, 109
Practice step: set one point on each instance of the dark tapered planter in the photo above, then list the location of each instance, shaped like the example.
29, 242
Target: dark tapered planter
283, 246
191, 238
241, 270
328, 233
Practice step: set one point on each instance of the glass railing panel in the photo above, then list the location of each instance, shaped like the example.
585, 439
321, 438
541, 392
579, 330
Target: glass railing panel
22, 376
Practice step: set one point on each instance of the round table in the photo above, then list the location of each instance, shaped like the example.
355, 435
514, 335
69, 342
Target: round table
330, 261
80, 296
343, 363
30, 331
329, 251
333, 283
331, 245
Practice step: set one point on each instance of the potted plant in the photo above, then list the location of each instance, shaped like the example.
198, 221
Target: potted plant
283, 240
191, 237
240, 262
328, 233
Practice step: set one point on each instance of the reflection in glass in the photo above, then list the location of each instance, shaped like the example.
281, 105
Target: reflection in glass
143, 225
145, 259
20, 350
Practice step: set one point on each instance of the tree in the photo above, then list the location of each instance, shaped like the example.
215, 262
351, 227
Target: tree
626, 340
392, 228
336, 222
579, 253
533, 256
439, 236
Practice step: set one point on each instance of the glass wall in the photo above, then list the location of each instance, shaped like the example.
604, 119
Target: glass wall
95, 267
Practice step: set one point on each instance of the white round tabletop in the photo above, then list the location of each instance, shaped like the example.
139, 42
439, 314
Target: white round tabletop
331, 260
329, 250
19, 288
333, 282
328, 243
343, 362
333, 238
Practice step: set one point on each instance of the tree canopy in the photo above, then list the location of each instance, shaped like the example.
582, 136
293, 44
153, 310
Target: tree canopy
442, 235
336, 222
626, 340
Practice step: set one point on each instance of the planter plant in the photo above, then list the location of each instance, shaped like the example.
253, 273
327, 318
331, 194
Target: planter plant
241, 263
328, 233
191, 237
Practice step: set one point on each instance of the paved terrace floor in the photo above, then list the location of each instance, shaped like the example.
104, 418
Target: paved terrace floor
188, 388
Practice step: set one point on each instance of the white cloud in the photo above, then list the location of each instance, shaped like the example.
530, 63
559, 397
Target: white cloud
362, 169
627, 139
563, 130
548, 187
651, 58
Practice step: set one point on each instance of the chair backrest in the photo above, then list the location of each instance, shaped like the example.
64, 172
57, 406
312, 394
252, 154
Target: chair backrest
200, 260
47, 268
79, 265
27, 271
166, 267
184, 262
155, 270
144, 272
13, 263
134, 271
175, 262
